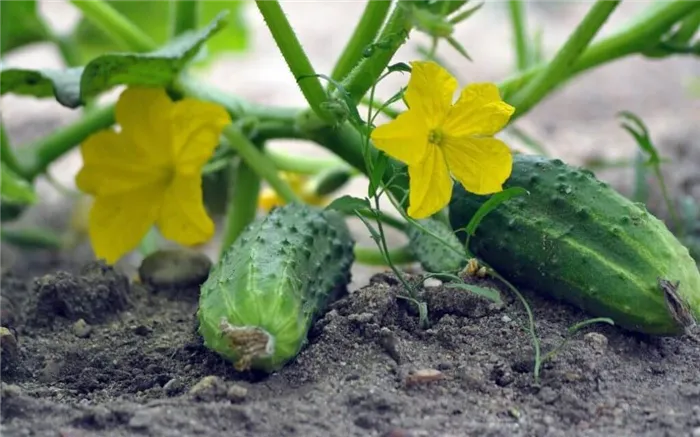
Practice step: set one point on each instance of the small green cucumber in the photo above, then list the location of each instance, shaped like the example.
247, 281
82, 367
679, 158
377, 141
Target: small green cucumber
577, 239
434, 256
260, 300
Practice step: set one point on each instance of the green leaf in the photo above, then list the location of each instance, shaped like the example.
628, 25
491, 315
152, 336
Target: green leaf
20, 24
349, 204
153, 17
72, 87
489, 293
491, 204
400, 66
32, 238
14, 189
378, 171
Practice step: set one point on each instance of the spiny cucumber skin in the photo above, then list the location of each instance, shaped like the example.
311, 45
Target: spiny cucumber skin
433, 255
280, 275
579, 240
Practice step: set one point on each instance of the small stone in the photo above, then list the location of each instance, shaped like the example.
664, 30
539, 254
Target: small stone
9, 351
424, 376
142, 330
695, 432
236, 393
506, 319
388, 341
514, 413
432, 283
209, 389
596, 341
444, 365
172, 387
548, 395
175, 268
81, 329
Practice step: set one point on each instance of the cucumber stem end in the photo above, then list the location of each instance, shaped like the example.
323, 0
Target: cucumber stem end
249, 342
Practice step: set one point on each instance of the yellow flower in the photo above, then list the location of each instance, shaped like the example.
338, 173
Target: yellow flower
435, 137
269, 198
149, 173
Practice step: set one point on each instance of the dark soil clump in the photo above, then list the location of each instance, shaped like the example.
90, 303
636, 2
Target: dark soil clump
101, 357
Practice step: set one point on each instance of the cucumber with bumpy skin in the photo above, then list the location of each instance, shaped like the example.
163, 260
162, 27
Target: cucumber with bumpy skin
577, 239
433, 255
260, 300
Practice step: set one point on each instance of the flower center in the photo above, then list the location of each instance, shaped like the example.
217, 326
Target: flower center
435, 137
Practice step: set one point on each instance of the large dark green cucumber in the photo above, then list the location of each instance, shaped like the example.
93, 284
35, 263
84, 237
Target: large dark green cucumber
278, 277
577, 239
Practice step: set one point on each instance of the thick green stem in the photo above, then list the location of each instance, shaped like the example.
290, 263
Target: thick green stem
185, 16
388, 220
35, 158
520, 39
395, 33
305, 165
366, 31
295, 56
115, 25
642, 34
562, 64
375, 257
259, 163
242, 205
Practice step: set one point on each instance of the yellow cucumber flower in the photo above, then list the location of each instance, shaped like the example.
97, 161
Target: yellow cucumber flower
149, 173
435, 137
269, 198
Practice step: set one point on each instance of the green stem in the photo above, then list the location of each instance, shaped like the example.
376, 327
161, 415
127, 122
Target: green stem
36, 157
185, 16
242, 205
388, 220
669, 204
295, 164
374, 257
563, 61
32, 238
115, 25
370, 23
394, 35
259, 163
643, 33
295, 56
517, 18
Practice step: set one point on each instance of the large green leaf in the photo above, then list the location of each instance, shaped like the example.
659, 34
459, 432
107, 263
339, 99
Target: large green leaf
153, 17
72, 87
20, 24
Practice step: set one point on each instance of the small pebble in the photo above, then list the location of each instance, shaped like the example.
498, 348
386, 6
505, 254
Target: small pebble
236, 393
361, 318
50, 371
173, 387
10, 350
696, 432
209, 389
432, 283
142, 418
506, 319
81, 329
388, 341
424, 376
175, 268
142, 330
596, 341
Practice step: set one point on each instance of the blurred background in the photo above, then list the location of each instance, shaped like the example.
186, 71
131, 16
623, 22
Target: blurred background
577, 124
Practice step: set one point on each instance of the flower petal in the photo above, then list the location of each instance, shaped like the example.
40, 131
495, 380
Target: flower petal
197, 126
430, 91
183, 218
482, 165
119, 222
405, 138
145, 115
478, 111
113, 164
430, 185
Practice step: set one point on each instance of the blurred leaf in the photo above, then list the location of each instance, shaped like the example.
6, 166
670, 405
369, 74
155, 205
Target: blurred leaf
20, 24
349, 204
15, 189
154, 18
489, 293
32, 238
72, 87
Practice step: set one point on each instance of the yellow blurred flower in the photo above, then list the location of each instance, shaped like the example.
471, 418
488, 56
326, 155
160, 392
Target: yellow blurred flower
149, 173
269, 198
435, 137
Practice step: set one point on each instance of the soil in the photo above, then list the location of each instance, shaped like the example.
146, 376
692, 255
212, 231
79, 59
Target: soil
99, 355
